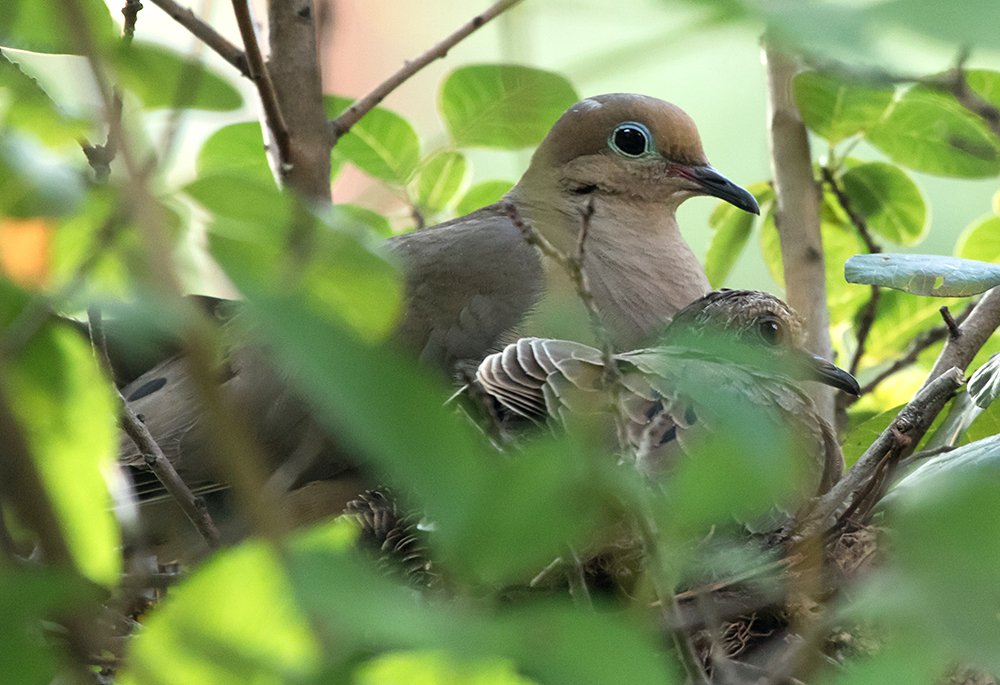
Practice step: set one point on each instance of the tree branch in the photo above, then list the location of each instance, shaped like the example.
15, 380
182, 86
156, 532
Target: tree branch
351, 116
959, 351
262, 79
797, 215
206, 34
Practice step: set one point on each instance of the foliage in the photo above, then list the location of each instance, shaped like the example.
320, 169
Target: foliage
324, 297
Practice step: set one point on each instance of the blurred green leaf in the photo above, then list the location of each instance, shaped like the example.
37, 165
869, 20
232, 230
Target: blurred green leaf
440, 178
65, 408
27, 107
163, 78
946, 542
436, 668
933, 19
986, 425
32, 183
382, 144
930, 131
904, 664
236, 150
502, 105
732, 227
48, 27
980, 241
28, 596
934, 275
889, 200
234, 621
901, 317
836, 108
346, 214
482, 194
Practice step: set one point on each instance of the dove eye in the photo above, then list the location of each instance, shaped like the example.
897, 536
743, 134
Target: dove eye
771, 331
631, 139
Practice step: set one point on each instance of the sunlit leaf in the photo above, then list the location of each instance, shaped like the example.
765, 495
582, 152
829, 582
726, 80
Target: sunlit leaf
382, 144
27, 107
482, 194
49, 27
835, 108
934, 275
234, 621
889, 200
980, 241
162, 77
440, 178
930, 131
863, 435
732, 228
67, 414
502, 105
431, 667
237, 150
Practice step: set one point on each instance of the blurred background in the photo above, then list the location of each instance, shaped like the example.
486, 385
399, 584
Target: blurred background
682, 52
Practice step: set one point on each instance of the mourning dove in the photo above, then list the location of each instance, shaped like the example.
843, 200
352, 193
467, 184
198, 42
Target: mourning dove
629, 159
732, 360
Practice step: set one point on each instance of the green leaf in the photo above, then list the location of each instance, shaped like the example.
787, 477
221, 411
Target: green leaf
65, 408
382, 144
984, 384
482, 194
931, 132
440, 178
732, 228
934, 275
48, 27
31, 184
933, 19
889, 200
946, 545
236, 150
430, 667
27, 107
164, 78
984, 83
220, 631
901, 318
864, 434
836, 108
346, 214
980, 241
502, 106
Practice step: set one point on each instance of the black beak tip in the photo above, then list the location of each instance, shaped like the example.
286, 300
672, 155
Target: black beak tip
715, 184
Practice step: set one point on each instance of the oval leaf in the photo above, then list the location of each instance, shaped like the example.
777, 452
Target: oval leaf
980, 241
237, 149
931, 132
482, 194
503, 106
440, 178
162, 78
932, 275
890, 201
45, 27
382, 144
835, 108
29, 108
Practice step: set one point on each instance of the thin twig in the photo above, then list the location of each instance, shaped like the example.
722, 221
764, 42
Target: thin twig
131, 13
206, 34
262, 79
975, 331
953, 332
845, 202
343, 123
193, 507
954, 81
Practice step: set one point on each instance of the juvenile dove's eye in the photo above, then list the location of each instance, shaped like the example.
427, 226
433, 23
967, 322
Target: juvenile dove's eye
771, 331
631, 139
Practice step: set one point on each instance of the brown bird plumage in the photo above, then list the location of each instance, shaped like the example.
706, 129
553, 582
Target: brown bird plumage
473, 280
731, 359
634, 159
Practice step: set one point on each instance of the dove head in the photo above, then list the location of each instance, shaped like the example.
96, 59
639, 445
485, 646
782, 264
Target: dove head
623, 144
754, 328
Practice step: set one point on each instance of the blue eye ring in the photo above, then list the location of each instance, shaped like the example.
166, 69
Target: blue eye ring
626, 137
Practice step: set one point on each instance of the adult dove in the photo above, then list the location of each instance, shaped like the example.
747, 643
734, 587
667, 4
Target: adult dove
629, 159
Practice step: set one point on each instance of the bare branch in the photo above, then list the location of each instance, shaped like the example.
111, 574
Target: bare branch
351, 116
797, 215
131, 13
959, 351
262, 79
206, 34
949, 322
193, 507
